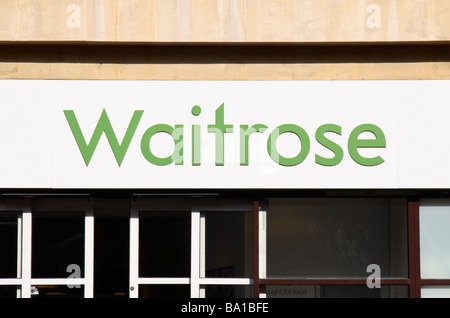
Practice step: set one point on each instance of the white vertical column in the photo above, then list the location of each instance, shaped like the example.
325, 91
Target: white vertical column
26, 253
202, 260
19, 252
262, 247
134, 253
195, 254
89, 254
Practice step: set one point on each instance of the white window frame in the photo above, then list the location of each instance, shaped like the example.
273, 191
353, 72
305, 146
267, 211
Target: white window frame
197, 281
23, 280
71, 205
25, 208
262, 246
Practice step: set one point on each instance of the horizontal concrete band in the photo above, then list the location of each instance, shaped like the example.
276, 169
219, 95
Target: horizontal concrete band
225, 21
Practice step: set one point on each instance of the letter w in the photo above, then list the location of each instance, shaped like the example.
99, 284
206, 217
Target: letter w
103, 125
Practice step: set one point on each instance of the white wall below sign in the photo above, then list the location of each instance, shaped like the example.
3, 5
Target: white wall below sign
38, 148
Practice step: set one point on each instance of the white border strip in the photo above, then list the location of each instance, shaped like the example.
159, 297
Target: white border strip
60, 281
134, 253
195, 254
11, 281
226, 281
89, 253
164, 280
26, 254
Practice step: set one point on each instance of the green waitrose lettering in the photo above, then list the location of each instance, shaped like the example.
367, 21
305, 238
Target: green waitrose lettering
220, 128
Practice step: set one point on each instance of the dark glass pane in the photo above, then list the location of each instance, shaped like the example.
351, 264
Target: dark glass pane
361, 291
111, 260
336, 238
58, 241
111, 248
164, 244
164, 291
8, 245
228, 291
8, 291
229, 244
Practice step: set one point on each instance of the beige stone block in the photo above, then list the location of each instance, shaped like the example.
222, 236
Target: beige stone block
415, 20
101, 71
133, 22
8, 16
397, 71
9, 70
224, 21
440, 70
342, 71
442, 18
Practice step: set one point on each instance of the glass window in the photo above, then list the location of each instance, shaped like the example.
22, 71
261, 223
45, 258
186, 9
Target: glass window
435, 292
336, 291
57, 242
434, 218
9, 291
336, 238
164, 291
164, 244
228, 244
8, 245
111, 250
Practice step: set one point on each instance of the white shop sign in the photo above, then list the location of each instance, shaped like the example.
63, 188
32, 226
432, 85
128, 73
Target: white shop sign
221, 135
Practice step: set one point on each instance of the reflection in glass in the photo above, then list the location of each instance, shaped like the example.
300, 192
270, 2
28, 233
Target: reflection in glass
336, 237
229, 244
